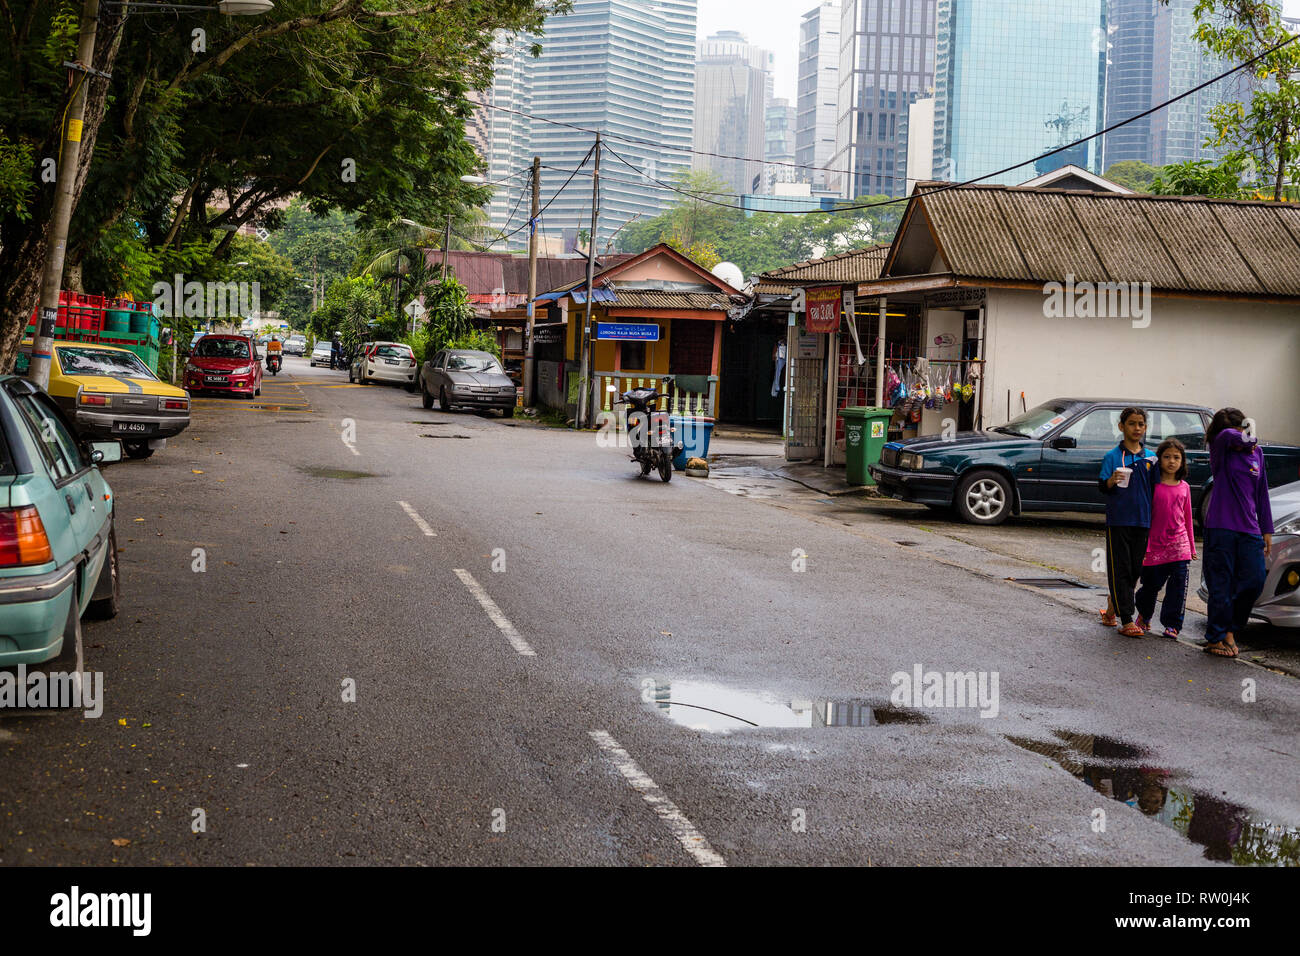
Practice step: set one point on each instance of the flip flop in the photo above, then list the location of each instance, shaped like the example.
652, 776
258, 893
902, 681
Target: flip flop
1219, 649
1108, 618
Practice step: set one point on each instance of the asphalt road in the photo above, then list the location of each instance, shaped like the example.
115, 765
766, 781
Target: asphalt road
549, 709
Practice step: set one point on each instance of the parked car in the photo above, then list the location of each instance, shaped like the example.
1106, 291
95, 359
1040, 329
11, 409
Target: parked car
107, 392
1279, 603
58, 549
321, 353
1048, 459
466, 378
295, 345
384, 362
225, 363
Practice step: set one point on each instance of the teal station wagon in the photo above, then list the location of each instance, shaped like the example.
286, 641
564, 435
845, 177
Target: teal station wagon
1049, 459
58, 550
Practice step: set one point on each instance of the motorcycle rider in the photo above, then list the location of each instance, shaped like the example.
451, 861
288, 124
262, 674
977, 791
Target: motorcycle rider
336, 353
275, 352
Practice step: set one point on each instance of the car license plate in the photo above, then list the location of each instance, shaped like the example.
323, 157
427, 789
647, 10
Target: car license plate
143, 427
217, 379
391, 361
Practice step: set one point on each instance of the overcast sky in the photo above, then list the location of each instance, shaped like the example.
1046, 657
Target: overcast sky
774, 24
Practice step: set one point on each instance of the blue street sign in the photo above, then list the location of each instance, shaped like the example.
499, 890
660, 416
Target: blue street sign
627, 332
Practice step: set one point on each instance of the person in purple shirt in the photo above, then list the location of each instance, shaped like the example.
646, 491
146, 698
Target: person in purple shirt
1238, 530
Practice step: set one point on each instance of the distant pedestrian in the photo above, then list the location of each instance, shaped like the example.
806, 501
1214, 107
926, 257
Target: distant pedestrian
1238, 530
1126, 475
336, 352
1171, 546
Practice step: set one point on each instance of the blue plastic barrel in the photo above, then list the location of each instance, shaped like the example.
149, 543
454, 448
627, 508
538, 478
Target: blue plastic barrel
693, 433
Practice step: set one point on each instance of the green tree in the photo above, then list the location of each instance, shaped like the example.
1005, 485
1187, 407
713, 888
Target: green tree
1221, 180
1261, 134
322, 248
358, 105
352, 308
1132, 174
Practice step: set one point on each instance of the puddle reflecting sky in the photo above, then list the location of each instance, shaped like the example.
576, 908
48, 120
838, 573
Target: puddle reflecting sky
718, 709
1228, 833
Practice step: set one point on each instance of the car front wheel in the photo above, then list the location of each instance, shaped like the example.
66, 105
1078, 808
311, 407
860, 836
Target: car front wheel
137, 449
984, 498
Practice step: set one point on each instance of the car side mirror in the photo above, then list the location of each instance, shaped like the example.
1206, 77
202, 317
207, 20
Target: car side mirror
105, 452
1064, 442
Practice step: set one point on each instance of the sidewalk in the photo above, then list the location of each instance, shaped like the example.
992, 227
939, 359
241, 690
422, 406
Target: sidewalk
1060, 549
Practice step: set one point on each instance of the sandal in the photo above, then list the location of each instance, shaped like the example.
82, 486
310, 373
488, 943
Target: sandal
1108, 618
1131, 629
1219, 649
1171, 632
1143, 623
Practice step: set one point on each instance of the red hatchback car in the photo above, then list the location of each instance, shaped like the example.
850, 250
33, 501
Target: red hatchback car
224, 363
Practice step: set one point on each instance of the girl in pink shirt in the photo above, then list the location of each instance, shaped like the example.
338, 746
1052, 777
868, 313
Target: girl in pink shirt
1171, 545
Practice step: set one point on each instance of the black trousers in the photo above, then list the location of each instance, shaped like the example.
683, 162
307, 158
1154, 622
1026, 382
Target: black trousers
1125, 549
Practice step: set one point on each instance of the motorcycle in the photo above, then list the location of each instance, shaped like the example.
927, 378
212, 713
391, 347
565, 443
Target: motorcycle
273, 362
650, 434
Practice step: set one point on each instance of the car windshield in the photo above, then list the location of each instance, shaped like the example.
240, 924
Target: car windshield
91, 361
1036, 422
209, 347
472, 362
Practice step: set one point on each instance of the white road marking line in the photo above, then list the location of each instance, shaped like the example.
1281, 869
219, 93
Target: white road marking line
691, 839
494, 612
352, 448
419, 522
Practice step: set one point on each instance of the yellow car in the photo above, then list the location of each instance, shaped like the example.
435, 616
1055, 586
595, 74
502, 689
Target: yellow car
109, 393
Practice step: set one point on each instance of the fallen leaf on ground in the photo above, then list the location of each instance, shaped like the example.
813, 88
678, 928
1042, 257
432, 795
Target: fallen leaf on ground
121, 841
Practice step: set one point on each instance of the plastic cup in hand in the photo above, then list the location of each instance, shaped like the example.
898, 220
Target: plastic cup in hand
1123, 476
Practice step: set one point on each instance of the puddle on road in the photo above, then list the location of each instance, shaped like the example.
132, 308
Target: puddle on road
1121, 771
718, 709
444, 436
316, 472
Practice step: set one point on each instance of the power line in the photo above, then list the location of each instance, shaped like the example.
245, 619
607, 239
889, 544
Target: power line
945, 187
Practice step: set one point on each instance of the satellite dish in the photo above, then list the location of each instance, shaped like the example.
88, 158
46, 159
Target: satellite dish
730, 273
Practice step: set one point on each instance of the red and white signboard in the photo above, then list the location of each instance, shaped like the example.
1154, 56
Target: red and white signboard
824, 309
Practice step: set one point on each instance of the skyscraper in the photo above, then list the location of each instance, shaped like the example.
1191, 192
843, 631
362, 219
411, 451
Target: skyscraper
886, 64
1154, 57
778, 148
1014, 79
818, 90
733, 83
624, 67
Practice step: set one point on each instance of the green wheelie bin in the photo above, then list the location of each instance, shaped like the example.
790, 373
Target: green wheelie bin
866, 429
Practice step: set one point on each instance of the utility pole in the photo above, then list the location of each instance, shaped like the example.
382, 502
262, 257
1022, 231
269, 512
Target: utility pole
64, 198
530, 355
584, 370
446, 241
314, 305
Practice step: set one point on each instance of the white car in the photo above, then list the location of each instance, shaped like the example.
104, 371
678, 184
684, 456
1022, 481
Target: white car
320, 355
385, 362
1279, 604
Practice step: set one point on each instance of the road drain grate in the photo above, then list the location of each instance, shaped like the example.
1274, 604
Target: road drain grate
909, 544
1055, 584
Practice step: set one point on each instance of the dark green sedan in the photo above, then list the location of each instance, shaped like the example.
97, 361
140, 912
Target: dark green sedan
1048, 459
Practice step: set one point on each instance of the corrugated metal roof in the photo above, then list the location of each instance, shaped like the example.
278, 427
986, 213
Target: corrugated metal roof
1176, 244
857, 265
654, 299
483, 273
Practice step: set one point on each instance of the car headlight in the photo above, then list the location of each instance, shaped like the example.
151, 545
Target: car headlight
911, 461
460, 388
506, 390
1289, 526
242, 371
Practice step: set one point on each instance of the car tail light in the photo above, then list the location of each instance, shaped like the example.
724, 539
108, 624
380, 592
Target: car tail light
178, 404
92, 398
22, 538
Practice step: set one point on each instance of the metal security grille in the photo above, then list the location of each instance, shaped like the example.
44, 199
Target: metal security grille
805, 403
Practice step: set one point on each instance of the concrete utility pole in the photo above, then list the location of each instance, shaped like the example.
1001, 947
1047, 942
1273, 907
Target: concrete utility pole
584, 370
64, 199
530, 355
446, 241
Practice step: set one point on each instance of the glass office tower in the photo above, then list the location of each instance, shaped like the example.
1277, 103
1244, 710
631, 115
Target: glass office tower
1014, 79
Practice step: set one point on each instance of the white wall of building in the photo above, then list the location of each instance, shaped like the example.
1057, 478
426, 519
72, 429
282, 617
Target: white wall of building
1244, 354
920, 141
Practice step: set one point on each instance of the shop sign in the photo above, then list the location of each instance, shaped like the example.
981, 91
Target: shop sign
627, 332
954, 299
810, 345
824, 309
548, 334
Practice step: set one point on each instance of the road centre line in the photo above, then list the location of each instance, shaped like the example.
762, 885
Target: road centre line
419, 522
691, 839
500, 620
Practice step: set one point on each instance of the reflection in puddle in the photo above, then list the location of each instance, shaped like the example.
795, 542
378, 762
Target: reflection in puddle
713, 708
317, 472
1229, 833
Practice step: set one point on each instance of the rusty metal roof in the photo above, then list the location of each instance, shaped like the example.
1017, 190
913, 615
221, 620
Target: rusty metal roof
856, 265
1177, 244
484, 273
654, 299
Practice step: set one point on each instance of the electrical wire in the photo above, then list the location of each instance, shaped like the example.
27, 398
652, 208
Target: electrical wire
943, 188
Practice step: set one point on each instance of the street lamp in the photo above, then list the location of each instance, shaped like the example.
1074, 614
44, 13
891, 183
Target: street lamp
70, 155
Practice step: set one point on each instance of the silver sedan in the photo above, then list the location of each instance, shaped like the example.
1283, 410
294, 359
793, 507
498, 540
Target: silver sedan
464, 378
